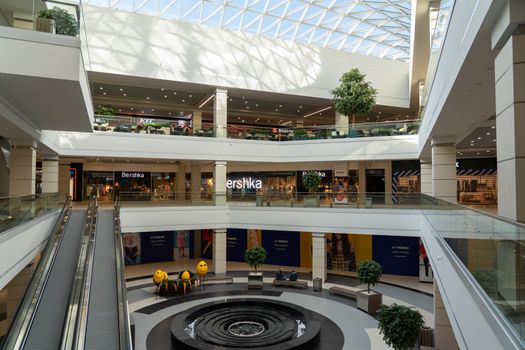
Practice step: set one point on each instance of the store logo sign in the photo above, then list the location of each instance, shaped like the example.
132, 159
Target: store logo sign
321, 173
244, 183
126, 175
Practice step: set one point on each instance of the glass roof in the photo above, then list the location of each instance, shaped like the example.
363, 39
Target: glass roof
378, 28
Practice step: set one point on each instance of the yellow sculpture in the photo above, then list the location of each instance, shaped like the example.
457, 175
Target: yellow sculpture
202, 268
185, 278
160, 276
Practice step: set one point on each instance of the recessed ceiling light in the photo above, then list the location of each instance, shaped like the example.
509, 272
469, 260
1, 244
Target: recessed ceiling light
268, 121
494, 140
131, 108
493, 127
174, 92
183, 100
479, 137
298, 111
300, 106
101, 88
477, 153
103, 93
242, 121
169, 113
157, 162
165, 96
256, 105
276, 110
243, 97
488, 151
96, 159
153, 109
162, 89
245, 102
120, 89
231, 100
191, 95
171, 162
141, 111
112, 160
127, 160
247, 107
120, 110
147, 97
280, 106
125, 95
238, 118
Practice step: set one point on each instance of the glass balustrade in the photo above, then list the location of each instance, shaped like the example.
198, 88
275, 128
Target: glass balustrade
156, 126
15, 211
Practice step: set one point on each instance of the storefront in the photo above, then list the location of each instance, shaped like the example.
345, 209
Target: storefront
477, 181
102, 182
406, 178
275, 185
163, 185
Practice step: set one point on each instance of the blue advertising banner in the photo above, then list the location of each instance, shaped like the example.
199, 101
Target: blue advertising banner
397, 255
282, 247
156, 246
236, 244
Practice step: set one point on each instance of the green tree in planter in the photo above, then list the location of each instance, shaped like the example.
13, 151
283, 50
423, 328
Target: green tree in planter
65, 22
255, 256
354, 96
312, 180
369, 272
104, 110
400, 326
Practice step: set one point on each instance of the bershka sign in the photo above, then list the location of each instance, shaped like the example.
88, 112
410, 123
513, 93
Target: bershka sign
321, 173
132, 175
245, 182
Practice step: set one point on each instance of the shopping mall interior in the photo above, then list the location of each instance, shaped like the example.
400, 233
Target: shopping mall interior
249, 174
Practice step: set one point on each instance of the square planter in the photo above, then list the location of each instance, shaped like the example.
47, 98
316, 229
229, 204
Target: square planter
311, 201
255, 280
369, 302
45, 25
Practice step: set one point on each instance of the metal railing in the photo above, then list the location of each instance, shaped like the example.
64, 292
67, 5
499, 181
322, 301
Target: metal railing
157, 126
123, 312
19, 329
74, 331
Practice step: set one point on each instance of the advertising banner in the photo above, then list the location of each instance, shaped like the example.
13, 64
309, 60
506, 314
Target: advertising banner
340, 190
131, 244
425, 270
397, 255
235, 244
282, 247
156, 246
182, 245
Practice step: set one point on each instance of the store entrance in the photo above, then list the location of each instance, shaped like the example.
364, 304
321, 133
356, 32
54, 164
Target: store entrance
375, 185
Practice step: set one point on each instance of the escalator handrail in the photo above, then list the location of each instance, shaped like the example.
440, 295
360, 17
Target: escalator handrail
123, 312
74, 330
19, 330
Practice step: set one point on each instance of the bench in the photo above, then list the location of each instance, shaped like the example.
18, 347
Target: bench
343, 292
218, 280
288, 283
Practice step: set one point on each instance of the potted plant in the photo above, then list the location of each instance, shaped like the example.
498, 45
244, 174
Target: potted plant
400, 326
255, 257
64, 22
311, 180
104, 110
369, 273
354, 96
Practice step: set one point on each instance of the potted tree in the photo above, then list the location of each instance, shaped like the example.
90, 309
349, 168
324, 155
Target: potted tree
64, 22
369, 273
354, 96
400, 326
255, 257
311, 180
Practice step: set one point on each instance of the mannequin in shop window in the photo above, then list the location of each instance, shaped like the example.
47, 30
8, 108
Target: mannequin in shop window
343, 256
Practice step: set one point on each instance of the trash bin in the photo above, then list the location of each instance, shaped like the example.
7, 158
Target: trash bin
318, 284
368, 202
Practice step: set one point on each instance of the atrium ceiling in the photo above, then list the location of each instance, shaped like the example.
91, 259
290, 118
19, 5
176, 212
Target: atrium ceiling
379, 28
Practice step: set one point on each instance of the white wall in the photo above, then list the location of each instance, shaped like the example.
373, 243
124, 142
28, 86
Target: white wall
21, 244
127, 145
139, 45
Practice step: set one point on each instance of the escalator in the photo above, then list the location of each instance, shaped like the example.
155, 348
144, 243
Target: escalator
77, 296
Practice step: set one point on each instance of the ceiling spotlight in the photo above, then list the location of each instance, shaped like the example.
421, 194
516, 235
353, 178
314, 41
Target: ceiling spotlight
493, 127
300, 106
276, 110
488, 151
127, 160
494, 140
125, 95
153, 109
242, 121
247, 107
165, 96
103, 93
183, 100
191, 95
231, 100
120, 110
256, 105
96, 159
488, 133
112, 160
169, 113
147, 97
120, 89
479, 137
243, 97
101, 88
280, 106
157, 162
131, 108
477, 153
245, 101
174, 92
162, 89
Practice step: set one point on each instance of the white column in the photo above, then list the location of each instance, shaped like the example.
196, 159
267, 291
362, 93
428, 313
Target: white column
220, 112
22, 174
444, 170
195, 182
509, 69
181, 182
50, 175
319, 256
341, 123
63, 181
219, 183
197, 120
443, 334
426, 177
219, 251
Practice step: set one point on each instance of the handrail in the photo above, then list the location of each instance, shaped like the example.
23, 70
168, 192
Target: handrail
19, 330
74, 330
123, 312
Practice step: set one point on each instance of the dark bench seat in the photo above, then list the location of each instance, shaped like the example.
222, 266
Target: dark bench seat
218, 280
343, 292
288, 283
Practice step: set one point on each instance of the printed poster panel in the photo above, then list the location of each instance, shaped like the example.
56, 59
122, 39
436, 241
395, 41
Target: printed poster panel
341, 190
397, 255
425, 270
235, 244
182, 245
156, 246
283, 248
131, 244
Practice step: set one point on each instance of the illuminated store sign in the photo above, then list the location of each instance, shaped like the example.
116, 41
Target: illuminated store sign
321, 173
244, 183
126, 175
